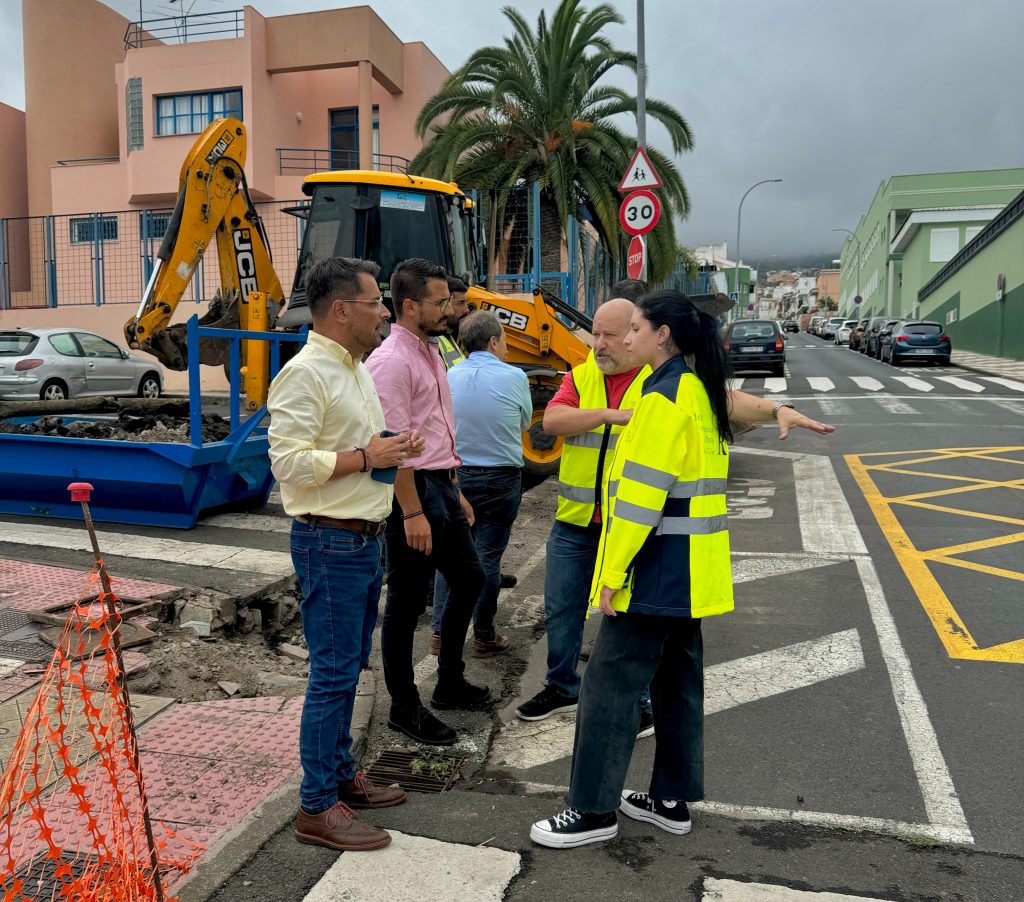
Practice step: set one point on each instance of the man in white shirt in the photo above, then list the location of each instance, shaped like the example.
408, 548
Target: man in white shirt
325, 444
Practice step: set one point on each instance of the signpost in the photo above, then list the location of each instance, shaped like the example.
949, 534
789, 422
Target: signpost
636, 257
640, 212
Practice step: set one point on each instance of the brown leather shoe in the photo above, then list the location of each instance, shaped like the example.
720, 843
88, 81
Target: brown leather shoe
488, 649
362, 792
435, 644
339, 828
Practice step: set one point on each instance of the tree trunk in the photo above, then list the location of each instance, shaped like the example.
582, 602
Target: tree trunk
551, 240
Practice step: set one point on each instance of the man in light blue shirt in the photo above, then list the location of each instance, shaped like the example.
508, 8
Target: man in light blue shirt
492, 406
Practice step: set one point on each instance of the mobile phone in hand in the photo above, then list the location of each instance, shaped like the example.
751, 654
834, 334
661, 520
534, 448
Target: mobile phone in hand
387, 475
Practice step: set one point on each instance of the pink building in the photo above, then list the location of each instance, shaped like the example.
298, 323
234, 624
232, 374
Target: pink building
112, 109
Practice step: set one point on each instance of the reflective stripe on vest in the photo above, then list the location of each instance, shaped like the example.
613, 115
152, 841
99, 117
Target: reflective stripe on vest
578, 476
690, 526
451, 353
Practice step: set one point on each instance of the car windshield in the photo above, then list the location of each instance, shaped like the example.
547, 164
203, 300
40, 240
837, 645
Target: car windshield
752, 330
17, 344
849, 324
922, 328
836, 319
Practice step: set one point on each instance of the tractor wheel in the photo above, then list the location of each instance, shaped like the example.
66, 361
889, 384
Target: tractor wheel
541, 450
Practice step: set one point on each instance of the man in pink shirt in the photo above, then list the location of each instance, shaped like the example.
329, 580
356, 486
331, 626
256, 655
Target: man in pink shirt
429, 527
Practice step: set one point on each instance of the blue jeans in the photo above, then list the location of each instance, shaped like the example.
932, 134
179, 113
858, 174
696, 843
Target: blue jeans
340, 577
568, 573
495, 494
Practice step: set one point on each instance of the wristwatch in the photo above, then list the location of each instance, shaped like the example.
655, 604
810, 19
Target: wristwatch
778, 406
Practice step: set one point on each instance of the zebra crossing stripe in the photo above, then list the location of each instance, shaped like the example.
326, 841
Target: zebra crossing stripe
962, 383
915, 383
820, 383
736, 384
893, 405
833, 407
717, 889
1008, 383
867, 382
774, 385
1011, 405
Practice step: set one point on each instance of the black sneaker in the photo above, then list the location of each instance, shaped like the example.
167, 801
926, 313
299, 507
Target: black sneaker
545, 703
573, 828
508, 581
646, 724
671, 816
421, 725
464, 696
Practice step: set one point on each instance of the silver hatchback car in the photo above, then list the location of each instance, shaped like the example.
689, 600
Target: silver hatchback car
57, 364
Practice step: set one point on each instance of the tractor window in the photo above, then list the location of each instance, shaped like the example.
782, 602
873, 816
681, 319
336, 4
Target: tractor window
459, 225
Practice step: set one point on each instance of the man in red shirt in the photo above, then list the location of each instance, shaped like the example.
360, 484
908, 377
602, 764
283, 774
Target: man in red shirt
572, 544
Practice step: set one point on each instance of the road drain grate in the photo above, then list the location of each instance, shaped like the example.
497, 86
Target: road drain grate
415, 770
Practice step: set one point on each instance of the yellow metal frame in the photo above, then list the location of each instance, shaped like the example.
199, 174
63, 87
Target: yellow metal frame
372, 177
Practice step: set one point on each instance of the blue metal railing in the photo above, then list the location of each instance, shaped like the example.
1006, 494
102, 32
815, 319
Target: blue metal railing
182, 29
234, 337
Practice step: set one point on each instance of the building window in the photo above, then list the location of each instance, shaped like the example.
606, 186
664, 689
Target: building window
83, 229
971, 232
154, 225
133, 113
189, 114
944, 245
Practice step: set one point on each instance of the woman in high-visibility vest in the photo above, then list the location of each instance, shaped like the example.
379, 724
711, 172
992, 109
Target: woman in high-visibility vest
662, 565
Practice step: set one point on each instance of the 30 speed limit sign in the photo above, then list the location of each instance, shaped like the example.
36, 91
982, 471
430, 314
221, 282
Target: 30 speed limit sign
640, 212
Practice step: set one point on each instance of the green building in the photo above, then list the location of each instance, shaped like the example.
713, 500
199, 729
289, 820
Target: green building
979, 294
915, 225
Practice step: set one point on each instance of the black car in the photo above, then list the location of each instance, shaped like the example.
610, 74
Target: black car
756, 344
790, 325
908, 340
869, 341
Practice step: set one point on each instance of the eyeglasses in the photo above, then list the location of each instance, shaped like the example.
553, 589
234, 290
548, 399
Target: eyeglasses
376, 302
442, 304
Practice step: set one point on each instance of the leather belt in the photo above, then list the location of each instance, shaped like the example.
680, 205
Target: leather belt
448, 475
370, 527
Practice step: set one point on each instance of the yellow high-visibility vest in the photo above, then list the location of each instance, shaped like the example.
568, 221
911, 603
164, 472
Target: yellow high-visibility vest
585, 456
451, 353
665, 542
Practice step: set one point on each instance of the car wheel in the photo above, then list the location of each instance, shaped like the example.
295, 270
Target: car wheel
779, 370
149, 386
53, 390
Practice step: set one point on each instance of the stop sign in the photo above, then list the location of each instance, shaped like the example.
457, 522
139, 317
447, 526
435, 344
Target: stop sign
635, 257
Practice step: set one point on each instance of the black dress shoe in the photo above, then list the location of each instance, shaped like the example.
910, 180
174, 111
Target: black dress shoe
462, 695
508, 580
421, 725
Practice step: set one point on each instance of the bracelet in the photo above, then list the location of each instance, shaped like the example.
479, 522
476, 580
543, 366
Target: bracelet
366, 461
413, 514
778, 406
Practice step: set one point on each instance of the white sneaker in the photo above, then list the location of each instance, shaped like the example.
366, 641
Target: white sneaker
671, 816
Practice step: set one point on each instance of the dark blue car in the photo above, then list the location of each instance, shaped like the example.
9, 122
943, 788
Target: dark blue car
908, 340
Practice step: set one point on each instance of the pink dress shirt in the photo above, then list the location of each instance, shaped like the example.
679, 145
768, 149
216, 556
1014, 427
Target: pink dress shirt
412, 384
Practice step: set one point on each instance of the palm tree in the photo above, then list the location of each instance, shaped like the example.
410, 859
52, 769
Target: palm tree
534, 109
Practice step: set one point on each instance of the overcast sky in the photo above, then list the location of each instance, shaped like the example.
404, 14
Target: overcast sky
833, 96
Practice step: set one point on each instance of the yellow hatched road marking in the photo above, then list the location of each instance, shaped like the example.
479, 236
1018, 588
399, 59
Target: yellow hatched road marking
978, 515
952, 631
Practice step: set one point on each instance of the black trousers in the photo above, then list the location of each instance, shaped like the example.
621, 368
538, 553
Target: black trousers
632, 651
410, 575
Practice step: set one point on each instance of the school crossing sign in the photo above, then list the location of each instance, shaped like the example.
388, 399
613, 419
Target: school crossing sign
640, 173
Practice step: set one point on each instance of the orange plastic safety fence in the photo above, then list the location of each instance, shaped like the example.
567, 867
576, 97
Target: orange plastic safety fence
72, 795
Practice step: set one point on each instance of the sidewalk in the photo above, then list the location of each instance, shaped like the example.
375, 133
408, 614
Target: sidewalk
1006, 367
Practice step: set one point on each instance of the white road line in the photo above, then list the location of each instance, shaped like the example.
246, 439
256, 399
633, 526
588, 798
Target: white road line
914, 382
255, 522
720, 890
962, 408
415, 867
826, 522
893, 405
941, 801
169, 551
774, 384
833, 407
821, 383
965, 384
868, 382
736, 384
1008, 383
1016, 407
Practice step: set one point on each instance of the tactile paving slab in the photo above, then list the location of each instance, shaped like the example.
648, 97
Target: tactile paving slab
34, 587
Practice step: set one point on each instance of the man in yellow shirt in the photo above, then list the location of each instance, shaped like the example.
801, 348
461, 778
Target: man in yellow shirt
326, 449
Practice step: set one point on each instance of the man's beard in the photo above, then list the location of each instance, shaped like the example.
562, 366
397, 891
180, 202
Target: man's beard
608, 366
435, 330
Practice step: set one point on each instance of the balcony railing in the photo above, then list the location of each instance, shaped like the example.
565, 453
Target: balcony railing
307, 160
185, 29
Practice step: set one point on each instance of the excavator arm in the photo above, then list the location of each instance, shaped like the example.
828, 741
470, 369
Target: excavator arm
213, 204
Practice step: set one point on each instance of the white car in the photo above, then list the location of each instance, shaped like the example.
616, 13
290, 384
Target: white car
57, 364
844, 332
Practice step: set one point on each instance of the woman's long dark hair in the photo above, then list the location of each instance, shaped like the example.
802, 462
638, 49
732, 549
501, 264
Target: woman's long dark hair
694, 333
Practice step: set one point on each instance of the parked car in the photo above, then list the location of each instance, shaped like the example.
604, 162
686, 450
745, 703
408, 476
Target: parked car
844, 332
869, 340
857, 335
828, 328
921, 340
790, 325
814, 324
756, 344
57, 364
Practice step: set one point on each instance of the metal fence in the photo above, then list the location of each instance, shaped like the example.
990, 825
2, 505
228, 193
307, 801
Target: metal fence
106, 258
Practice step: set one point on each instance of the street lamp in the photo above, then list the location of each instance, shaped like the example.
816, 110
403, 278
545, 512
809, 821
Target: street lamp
739, 217
855, 238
